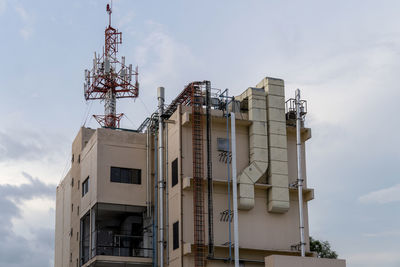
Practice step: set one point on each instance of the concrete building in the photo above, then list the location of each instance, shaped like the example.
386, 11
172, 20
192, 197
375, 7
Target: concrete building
108, 212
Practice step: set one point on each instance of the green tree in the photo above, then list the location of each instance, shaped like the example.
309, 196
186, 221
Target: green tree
323, 249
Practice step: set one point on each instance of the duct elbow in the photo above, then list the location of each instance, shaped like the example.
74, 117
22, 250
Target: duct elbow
247, 179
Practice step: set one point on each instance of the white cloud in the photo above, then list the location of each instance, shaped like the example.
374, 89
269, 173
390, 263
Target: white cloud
38, 212
382, 196
162, 61
27, 29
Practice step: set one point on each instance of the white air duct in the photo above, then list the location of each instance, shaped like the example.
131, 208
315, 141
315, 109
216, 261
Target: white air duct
268, 146
258, 143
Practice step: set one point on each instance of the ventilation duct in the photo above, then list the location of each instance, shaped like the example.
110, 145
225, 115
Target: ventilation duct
268, 146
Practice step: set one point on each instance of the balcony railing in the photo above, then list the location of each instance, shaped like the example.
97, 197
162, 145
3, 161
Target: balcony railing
111, 244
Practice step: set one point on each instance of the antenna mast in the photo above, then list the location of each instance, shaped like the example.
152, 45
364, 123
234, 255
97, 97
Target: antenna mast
110, 78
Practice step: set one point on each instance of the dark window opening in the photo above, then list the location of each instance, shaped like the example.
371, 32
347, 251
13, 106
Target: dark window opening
85, 186
174, 172
72, 159
126, 175
175, 235
85, 239
72, 182
79, 158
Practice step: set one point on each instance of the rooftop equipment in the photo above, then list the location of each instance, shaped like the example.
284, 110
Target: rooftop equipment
110, 78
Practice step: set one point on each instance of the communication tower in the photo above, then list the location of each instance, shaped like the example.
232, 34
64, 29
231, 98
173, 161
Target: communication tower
110, 78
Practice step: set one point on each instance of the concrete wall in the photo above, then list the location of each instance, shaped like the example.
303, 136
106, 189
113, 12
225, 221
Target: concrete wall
78, 145
174, 193
63, 222
126, 150
291, 261
118, 149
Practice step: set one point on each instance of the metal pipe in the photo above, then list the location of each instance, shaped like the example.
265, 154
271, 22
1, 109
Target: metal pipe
148, 207
160, 96
166, 194
299, 172
155, 254
229, 178
234, 186
209, 173
180, 180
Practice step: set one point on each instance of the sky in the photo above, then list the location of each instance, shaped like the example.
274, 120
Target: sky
343, 55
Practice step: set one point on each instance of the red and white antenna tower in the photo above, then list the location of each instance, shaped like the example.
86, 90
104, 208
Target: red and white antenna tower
110, 78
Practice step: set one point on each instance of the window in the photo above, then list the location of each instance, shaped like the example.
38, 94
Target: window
84, 238
72, 208
79, 183
125, 175
72, 159
85, 186
175, 235
77, 211
72, 182
174, 170
79, 158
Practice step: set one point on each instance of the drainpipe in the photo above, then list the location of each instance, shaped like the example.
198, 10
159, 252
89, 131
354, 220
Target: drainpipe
160, 96
234, 186
148, 207
155, 254
299, 171
166, 194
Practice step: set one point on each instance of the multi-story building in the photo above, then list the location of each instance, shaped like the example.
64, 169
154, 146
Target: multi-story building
108, 209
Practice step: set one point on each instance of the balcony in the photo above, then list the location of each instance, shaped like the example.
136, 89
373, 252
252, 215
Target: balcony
115, 234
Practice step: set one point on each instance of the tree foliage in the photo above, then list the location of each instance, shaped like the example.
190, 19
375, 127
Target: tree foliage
323, 249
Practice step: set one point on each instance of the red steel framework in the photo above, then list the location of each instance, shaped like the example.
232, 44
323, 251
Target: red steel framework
110, 78
193, 95
198, 176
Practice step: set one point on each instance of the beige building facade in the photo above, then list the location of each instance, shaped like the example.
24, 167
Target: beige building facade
106, 211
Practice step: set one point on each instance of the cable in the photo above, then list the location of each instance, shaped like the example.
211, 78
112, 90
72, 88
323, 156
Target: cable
133, 124
88, 108
145, 107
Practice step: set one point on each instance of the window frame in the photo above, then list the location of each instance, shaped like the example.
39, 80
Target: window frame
125, 175
85, 187
174, 172
175, 235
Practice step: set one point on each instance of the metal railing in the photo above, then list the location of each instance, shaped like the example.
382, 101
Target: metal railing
108, 243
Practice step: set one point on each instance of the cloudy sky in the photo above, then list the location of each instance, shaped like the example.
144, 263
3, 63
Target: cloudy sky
344, 55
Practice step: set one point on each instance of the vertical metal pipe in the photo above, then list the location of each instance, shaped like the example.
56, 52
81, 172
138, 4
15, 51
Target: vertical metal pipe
166, 194
234, 186
148, 207
209, 173
160, 92
299, 172
229, 178
155, 219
